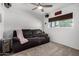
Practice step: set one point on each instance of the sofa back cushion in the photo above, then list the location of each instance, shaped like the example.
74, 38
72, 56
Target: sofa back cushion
27, 33
37, 31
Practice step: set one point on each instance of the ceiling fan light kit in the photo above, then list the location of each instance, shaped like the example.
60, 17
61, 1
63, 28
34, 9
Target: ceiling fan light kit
40, 7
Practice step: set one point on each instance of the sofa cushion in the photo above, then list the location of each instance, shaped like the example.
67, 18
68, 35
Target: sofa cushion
40, 35
27, 33
38, 31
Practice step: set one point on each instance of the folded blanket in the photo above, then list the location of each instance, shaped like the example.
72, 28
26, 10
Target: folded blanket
21, 37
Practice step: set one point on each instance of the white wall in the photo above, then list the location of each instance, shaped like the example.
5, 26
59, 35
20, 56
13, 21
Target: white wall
1, 23
18, 17
66, 36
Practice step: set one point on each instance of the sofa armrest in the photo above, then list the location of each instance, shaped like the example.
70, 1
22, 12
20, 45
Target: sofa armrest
0, 46
15, 39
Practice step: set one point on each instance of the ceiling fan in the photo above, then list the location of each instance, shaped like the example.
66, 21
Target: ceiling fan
40, 6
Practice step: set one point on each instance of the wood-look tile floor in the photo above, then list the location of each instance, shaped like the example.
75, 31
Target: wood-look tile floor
49, 49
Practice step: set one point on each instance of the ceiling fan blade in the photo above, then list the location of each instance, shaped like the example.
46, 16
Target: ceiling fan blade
35, 4
34, 8
47, 5
39, 4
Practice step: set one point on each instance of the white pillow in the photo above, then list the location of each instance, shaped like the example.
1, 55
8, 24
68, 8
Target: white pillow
21, 37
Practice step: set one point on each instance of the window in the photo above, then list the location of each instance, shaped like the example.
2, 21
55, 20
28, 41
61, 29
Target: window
62, 20
62, 23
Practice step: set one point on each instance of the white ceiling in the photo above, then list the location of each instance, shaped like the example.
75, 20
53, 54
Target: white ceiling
28, 6
50, 9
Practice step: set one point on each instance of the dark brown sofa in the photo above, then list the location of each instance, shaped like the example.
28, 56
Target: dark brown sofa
36, 37
0, 47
